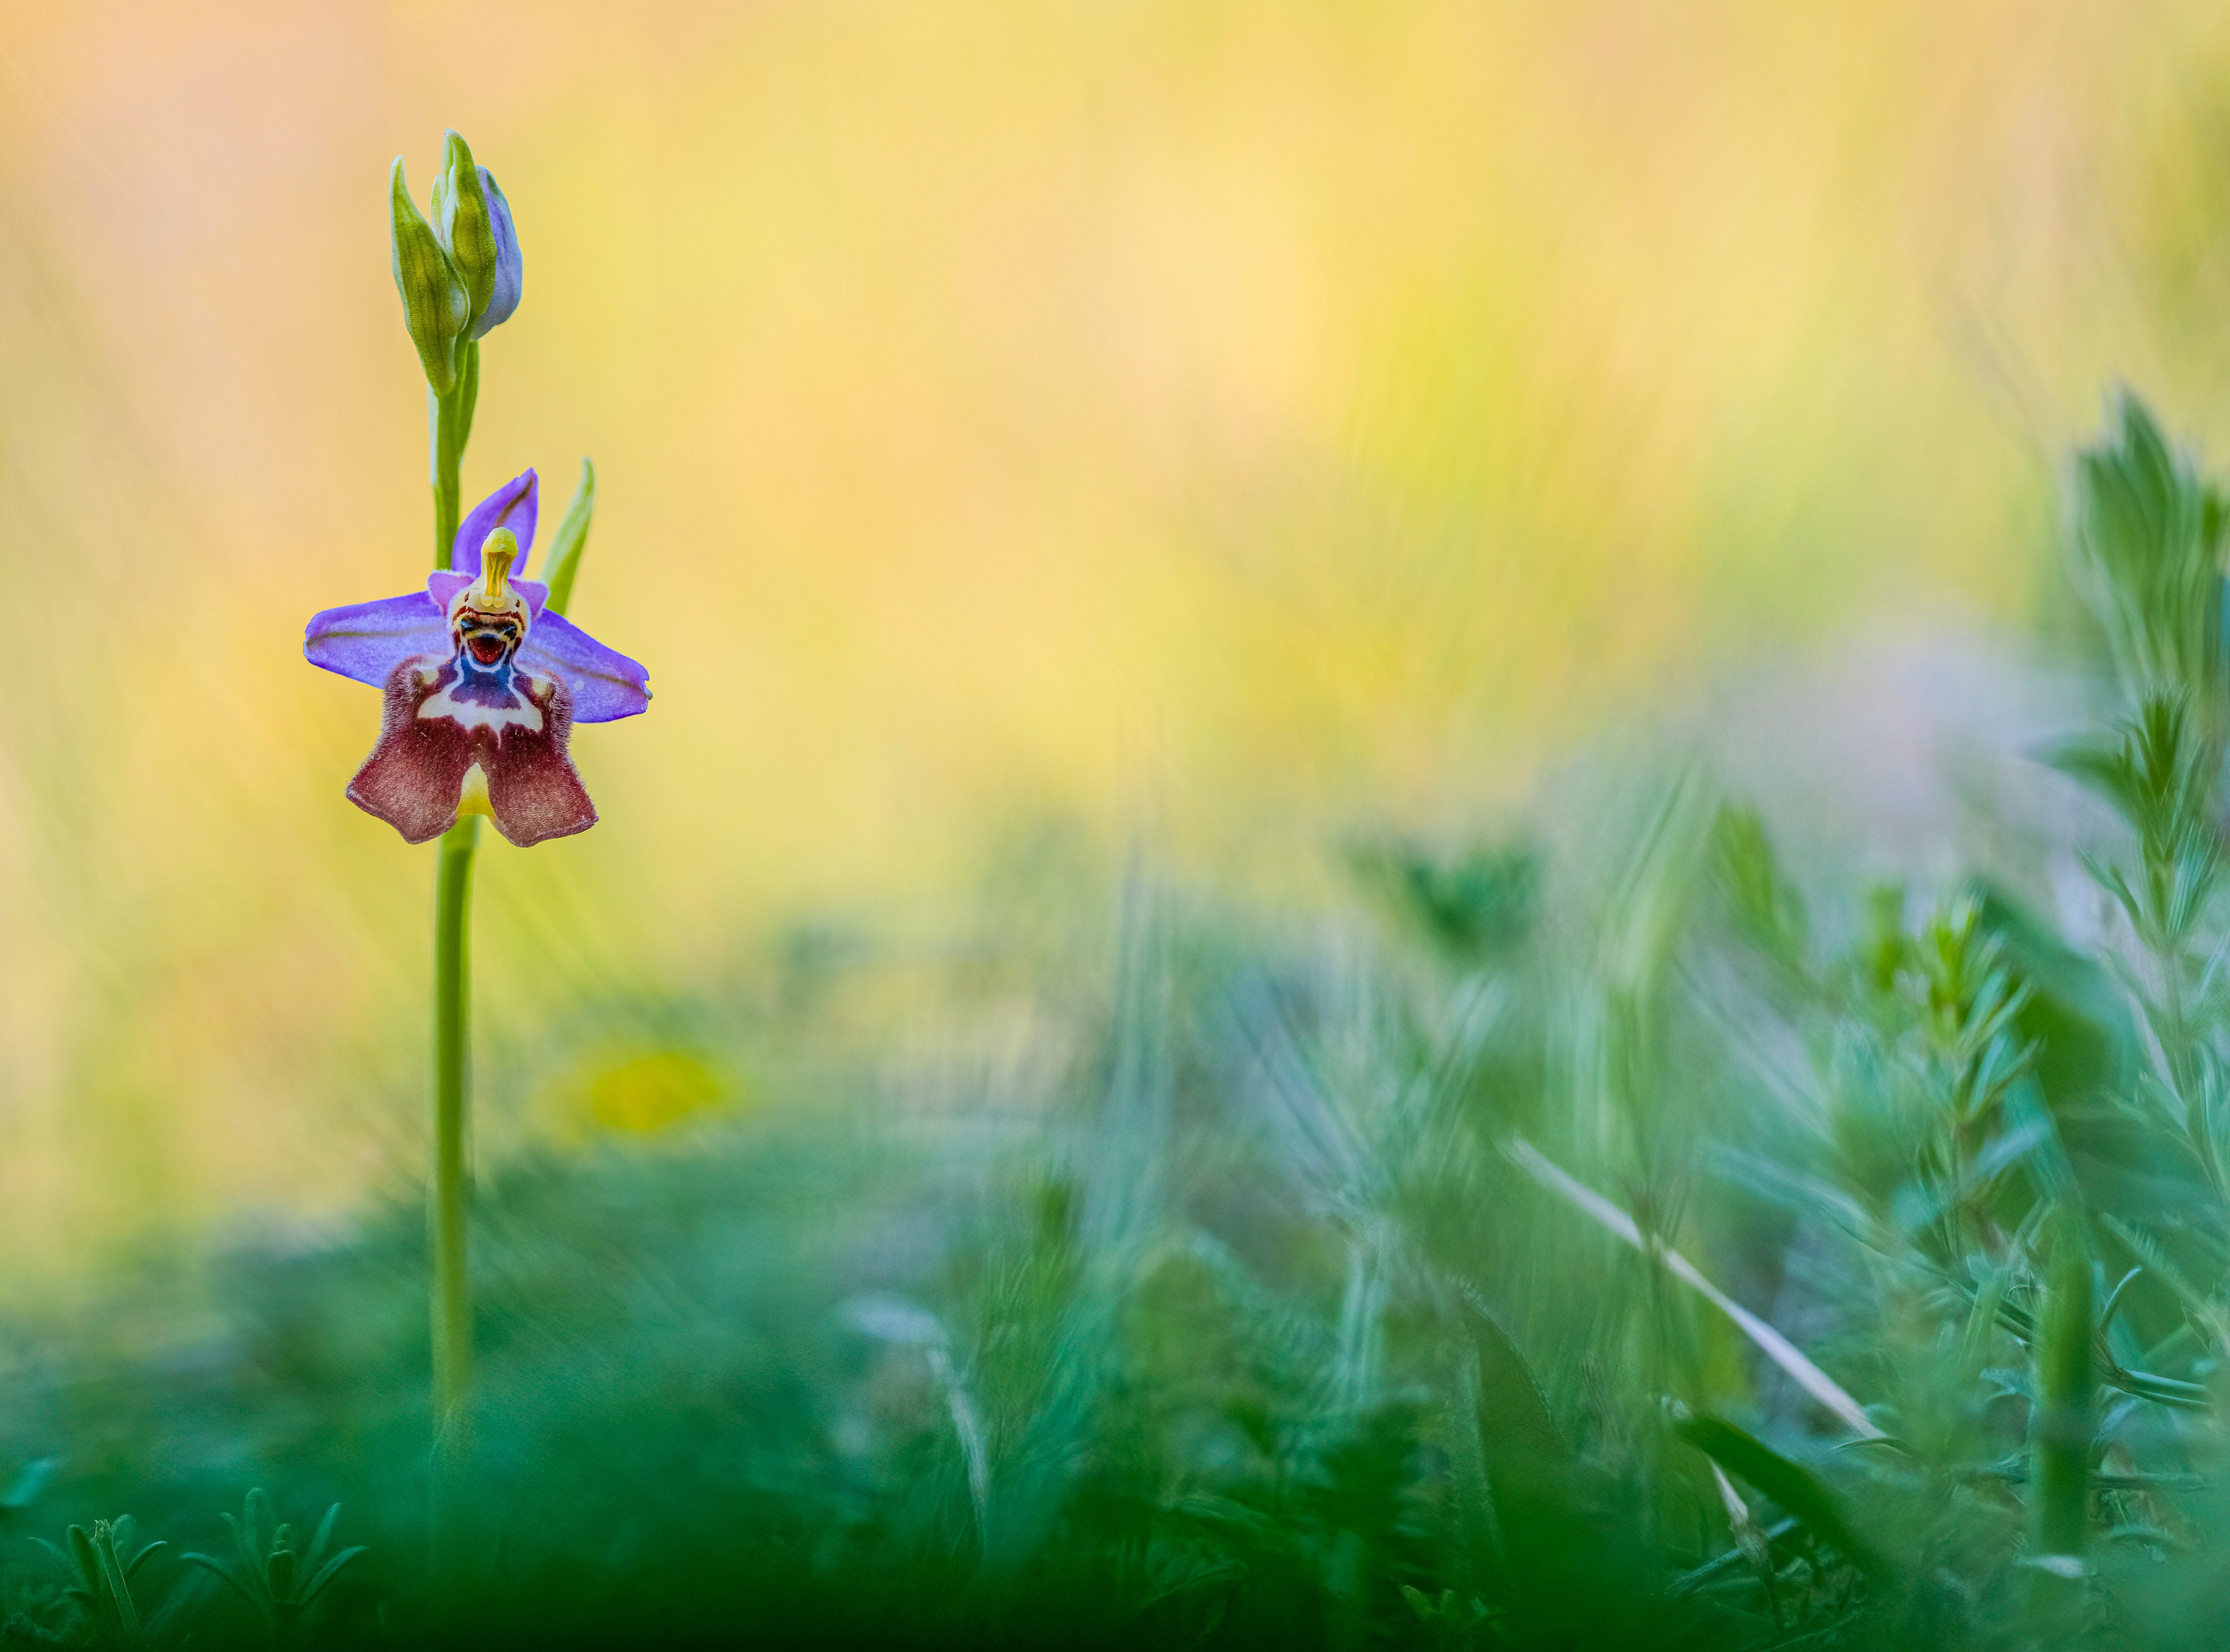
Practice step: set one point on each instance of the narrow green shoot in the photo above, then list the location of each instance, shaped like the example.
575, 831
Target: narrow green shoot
2067, 1419
571, 538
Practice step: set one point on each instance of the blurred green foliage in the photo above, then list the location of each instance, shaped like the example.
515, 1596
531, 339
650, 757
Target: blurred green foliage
1539, 1252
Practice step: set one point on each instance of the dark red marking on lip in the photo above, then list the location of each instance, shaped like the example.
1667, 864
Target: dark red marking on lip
485, 649
415, 775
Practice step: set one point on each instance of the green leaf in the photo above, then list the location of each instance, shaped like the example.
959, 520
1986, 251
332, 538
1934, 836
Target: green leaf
326, 1573
111, 1578
2148, 542
563, 561
2101, 763
2114, 1300
88, 1563
1979, 1335
1513, 1418
229, 1572
1795, 1488
256, 1516
1472, 904
1764, 904
1559, 1520
325, 1535
238, 1539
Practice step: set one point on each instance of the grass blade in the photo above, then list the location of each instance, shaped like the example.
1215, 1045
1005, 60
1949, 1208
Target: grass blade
1775, 1346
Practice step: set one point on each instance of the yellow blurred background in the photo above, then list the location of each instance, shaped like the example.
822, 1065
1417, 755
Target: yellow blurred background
1210, 422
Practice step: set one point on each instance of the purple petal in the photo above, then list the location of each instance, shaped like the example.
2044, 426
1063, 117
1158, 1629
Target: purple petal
512, 506
606, 684
367, 640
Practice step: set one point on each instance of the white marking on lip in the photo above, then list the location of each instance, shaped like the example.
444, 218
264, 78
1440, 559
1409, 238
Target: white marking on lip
470, 714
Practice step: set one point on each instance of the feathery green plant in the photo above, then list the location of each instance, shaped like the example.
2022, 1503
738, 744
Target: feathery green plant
99, 1567
265, 1569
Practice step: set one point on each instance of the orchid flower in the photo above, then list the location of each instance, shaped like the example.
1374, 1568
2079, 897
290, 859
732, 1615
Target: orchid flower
483, 684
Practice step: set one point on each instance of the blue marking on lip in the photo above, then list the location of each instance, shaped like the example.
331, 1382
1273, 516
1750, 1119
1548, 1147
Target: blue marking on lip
478, 684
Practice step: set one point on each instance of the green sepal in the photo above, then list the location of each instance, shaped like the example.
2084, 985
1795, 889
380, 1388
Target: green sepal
460, 217
566, 545
436, 307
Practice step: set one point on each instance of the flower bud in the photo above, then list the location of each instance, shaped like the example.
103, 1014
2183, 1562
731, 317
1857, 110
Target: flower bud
437, 306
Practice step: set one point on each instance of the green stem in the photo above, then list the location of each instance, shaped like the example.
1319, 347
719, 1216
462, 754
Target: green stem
452, 1199
2177, 1046
2175, 1030
2063, 1429
2067, 1380
450, 419
450, 426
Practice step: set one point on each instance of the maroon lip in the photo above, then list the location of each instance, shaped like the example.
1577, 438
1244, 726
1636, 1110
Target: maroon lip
485, 649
